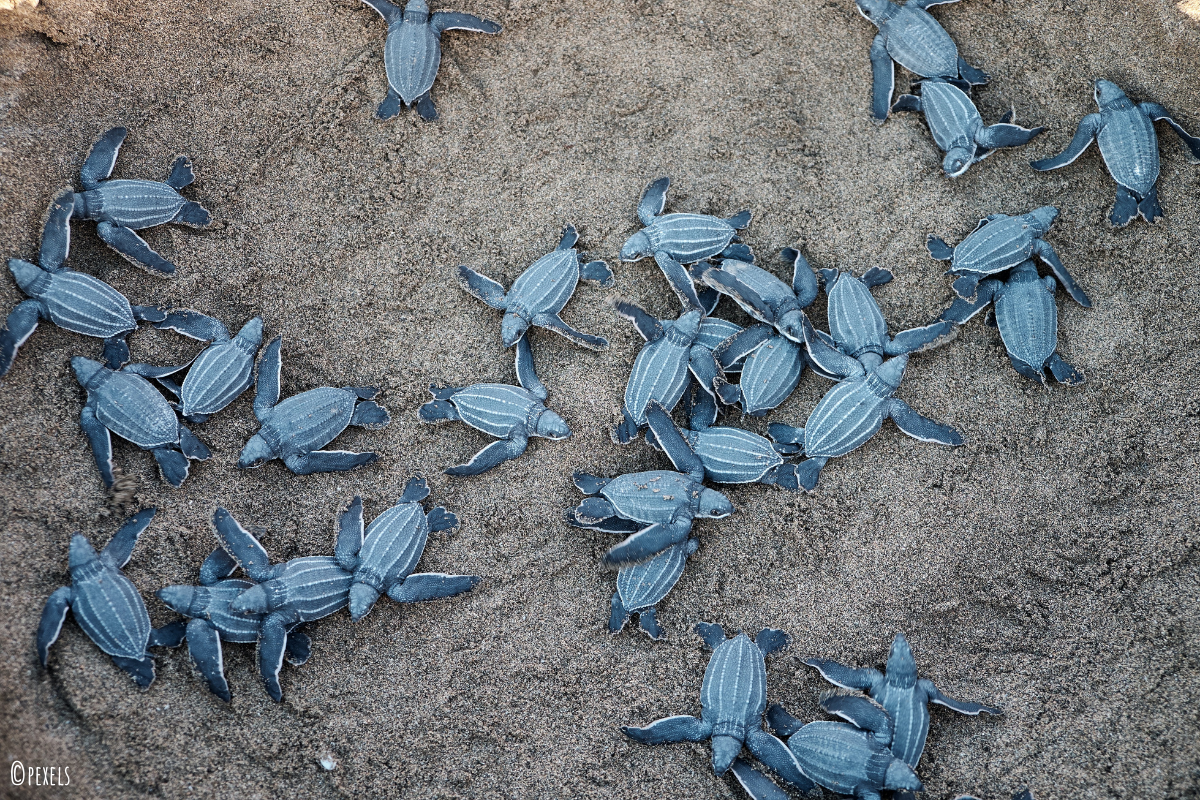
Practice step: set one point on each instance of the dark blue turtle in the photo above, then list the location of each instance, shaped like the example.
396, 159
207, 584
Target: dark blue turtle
513, 414
1027, 316
382, 556
958, 128
123, 206
655, 508
71, 300
732, 700
770, 364
641, 587
539, 294
222, 371
1129, 146
296, 428
850, 757
413, 51
283, 596
211, 621
764, 296
125, 403
1000, 242
729, 455
903, 695
106, 605
908, 35
678, 239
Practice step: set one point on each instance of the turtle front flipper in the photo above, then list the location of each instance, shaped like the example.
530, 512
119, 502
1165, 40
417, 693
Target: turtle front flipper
672, 442
776, 755
56, 233
21, 324
862, 713
204, 648
119, 549
1089, 126
100, 440
554, 323
1046, 253
431, 586
961, 706
350, 535
442, 21
133, 248
389, 11
194, 325
826, 358
266, 392
272, 641
679, 280
649, 327
53, 616
883, 73
328, 461
238, 542
750, 301
682, 728
648, 543
482, 287
755, 784
654, 200
493, 455
962, 310
140, 669
103, 156
845, 677
1004, 134
526, 375
916, 339
1156, 112
921, 428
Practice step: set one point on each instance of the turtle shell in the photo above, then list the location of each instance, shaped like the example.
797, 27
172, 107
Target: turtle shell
86, 305
919, 44
239, 628
411, 57
495, 408
660, 372
840, 757
653, 496
1129, 146
218, 375
689, 238
910, 716
548, 283
994, 247
952, 117
1027, 317
109, 609
312, 587
732, 455
132, 203
770, 375
855, 321
308, 421
394, 542
129, 406
734, 693
643, 586
846, 417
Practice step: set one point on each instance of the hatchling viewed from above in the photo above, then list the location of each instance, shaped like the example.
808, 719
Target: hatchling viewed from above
641, 587
221, 372
73, 301
121, 206
412, 52
1129, 146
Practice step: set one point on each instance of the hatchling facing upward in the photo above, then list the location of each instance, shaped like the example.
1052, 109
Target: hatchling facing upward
1027, 316
540, 293
222, 371
908, 35
1129, 147
514, 414
296, 428
122, 206
106, 605
71, 300
641, 587
958, 128
413, 51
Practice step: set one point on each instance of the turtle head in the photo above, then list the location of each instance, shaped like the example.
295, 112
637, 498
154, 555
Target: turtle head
1108, 93
714, 505
512, 328
957, 159
552, 426
86, 369
725, 750
1044, 217
901, 667
877, 11
30, 277
901, 776
182, 600
416, 11
256, 453
891, 372
637, 246
81, 553
791, 325
362, 599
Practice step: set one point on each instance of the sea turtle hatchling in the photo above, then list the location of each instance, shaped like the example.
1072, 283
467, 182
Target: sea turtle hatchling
382, 556
1000, 242
675, 240
1027, 317
1129, 146
107, 605
122, 206
903, 694
125, 403
514, 414
538, 295
764, 296
641, 587
296, 428
413, 51
908, 35
222, 371
733, 697
71, 300
210, 620
958, 128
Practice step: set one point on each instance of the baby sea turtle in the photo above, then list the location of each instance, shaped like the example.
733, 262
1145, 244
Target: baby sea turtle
125, 403
732, 700
71, 300
1001, 242
1027, 317
296, 428
283, 595
729, 455
413, 51
382, 556
641, 587
902, 694
123, 206
513, 414
678, 239
211, 621
771, 365
1129, 146
540, 293
656, 508
958, 128
846, 757
106, 605
908, 35
222, 371
660, 370
765, 297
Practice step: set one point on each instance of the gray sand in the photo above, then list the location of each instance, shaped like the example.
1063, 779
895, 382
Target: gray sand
1049, 566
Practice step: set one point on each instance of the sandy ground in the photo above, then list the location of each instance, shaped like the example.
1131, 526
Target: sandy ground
1048, 566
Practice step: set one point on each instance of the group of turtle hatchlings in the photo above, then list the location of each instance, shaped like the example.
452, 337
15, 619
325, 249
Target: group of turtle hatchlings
689, 361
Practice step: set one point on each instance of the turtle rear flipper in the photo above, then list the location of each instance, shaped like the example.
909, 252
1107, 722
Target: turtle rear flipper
938, 249
204, 648
439, 519
426, 108
966, 286
738, 251
116, 351
181, 173
1124, 209
598, 272
654, 200
1149, 208
648, 622
192, 447
740, 220
776, 755
619, 615
390, 106
173, 464
133, 248
370, 415
299, 648
140, 669
808, 472
328, 461
193, 215
170, 635
627, 430
431, 586
1063, 372
589, 484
